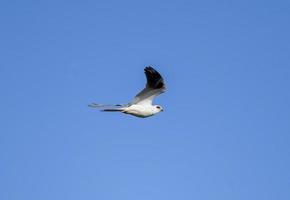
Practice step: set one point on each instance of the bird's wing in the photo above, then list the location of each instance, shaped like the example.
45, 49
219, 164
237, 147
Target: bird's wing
154, 87
95, 105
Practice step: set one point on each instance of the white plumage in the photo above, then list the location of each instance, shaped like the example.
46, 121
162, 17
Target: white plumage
142, 105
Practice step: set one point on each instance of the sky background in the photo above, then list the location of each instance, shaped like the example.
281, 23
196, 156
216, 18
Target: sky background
225, 131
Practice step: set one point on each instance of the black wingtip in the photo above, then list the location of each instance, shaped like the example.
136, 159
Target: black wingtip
154, 79
150, 69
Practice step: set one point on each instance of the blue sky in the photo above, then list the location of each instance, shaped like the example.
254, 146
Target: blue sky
225, 131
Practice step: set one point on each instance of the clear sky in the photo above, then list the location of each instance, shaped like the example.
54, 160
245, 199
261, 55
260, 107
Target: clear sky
225, 131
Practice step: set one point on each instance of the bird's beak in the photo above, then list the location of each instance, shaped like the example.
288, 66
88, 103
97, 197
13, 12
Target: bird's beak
162, 109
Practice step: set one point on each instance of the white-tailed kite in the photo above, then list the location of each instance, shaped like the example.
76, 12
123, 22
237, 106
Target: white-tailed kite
142, 106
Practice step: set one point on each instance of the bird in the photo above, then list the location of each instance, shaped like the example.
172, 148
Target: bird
142, 104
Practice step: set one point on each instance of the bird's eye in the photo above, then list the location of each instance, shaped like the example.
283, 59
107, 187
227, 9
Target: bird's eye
158, 107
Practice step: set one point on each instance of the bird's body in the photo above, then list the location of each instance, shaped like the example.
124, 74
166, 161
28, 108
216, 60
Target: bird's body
142, 106
141, 110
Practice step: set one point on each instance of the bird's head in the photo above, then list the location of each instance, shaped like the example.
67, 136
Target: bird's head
158, 108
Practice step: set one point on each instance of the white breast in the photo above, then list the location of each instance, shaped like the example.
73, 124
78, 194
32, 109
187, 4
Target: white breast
140, 110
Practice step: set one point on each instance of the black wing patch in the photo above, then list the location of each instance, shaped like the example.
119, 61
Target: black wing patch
154, 79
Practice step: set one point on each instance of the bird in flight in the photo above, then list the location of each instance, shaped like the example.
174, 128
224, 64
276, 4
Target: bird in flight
141, 106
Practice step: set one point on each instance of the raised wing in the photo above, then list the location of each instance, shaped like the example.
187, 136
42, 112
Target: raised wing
154, 87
